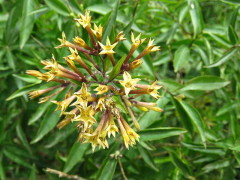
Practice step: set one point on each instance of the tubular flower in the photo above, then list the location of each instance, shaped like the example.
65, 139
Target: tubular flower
136, 42
108, 48
101, 89
85, 20
97, 31
72, 86
128, 83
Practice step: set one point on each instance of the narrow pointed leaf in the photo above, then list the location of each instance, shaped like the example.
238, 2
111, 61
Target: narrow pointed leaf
76, 155
48, 123
226, 57
58, 6
108, 170
205, 83
195, 118
27, 21
160, 133
181, 58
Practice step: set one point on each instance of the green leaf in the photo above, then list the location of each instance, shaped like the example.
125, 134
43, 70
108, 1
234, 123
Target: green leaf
232, 35
2, 172
23, 91
224, 58
195, 118
201, 149
205, 83
148, 118
235, 2
196, 16
16, 158
58, 6
22, 137
76, 155
108, 170
147, 158
112, 21
160, 133
10, 59
227, 108
180, 164
39, 112
181, 58
216, 165
116, 69
27, 78
27, 21
48, 123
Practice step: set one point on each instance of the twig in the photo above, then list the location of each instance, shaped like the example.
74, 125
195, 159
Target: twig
62, 174
121, 167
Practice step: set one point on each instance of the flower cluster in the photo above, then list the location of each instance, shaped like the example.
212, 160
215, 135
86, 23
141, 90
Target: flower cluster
96, 85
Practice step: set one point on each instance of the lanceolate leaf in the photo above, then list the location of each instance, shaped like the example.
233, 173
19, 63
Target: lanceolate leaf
116, 69
195, 118
23, 91
205, 83
147, 158
76, 155
48, 123
58, 6
181, 57
180, 164
112, 21
27, 21
160, 133
196, 16
227, 56
108, 170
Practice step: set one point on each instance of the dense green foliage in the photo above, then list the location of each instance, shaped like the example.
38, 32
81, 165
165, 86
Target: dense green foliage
197, 135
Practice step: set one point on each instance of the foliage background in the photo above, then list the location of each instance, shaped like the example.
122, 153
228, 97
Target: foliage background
196, 137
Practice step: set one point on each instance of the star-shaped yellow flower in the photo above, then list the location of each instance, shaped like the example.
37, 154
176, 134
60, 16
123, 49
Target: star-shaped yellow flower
85, 21
101, 89
62, 105
128, 83
108, 48
101, 103
86, 116
82, 96
111, 127
136, 41
153, 90
97, 31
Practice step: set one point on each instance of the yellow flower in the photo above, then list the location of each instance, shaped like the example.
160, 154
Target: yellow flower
108, 48
150, 47
136, 41
63, 41
136, 63
85, 21
97, 31
68, 116
96, 139
101, 103
80, 42
86, 116
153, 90
111, 127
34, 94
82, 96
120, 37
41, 76
101, 89
128, 83
62, 105
146, 106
